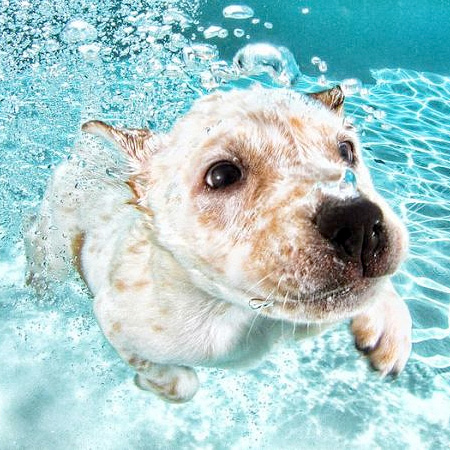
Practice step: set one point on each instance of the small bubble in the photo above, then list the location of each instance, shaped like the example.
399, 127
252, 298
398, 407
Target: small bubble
89, 52
351, 86
258, 303
322, 80
315, 60
222, 71
223, 33
212, 31
199, 55
305, 10
268, 25
208, 80
349, 177
238, 32
78, 30
173, 70
174, 16
256, 21
238, 12
323, 67
52, 45
128, 30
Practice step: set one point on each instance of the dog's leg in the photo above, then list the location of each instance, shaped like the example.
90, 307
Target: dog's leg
177, 384
51, 238
383, 332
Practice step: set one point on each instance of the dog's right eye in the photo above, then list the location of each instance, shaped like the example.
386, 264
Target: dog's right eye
222, 174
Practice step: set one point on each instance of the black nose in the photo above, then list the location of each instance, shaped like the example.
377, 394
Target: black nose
355, 228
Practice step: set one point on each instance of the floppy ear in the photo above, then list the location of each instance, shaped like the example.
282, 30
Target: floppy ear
332, 98
138, 144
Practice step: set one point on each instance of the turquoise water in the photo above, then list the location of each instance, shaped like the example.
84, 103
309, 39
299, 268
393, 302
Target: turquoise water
62, 386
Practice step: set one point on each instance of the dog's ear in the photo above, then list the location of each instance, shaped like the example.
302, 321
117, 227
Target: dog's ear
138, 144
332, 98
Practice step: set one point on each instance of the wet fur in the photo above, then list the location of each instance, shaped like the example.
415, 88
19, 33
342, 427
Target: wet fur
184, 276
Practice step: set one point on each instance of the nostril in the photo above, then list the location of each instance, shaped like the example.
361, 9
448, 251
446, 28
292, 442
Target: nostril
343, 240
373, 240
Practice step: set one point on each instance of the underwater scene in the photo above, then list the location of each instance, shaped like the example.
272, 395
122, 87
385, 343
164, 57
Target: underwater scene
141, 64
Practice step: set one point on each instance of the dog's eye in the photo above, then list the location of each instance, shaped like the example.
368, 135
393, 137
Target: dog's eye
223, 174
347, 152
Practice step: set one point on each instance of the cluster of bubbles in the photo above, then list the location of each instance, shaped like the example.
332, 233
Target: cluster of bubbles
252, 59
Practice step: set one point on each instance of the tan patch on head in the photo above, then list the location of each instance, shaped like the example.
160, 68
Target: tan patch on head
157, 328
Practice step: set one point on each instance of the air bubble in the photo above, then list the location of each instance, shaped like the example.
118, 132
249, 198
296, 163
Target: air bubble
238, 32
322, 80
305, 10
213, 31
349, 178
222, 71
315, 60
256, 21
174, 16
258, 303
89, 52
278, 62
77, 31
199, 55
323, 67
268, 25
351, 86
238, 12
208, 80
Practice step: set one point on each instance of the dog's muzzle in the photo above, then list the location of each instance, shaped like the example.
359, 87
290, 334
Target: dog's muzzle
355, 228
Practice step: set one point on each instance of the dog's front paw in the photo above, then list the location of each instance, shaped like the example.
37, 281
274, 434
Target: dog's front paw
383, 333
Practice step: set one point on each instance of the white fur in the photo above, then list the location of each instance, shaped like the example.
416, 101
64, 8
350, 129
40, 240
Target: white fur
172, 290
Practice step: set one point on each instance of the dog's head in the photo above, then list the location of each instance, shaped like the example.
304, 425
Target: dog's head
263, 196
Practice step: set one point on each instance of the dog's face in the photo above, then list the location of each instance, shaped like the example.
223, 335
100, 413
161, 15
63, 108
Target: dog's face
262, 195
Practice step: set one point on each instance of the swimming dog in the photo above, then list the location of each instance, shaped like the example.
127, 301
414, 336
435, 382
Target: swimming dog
253, 218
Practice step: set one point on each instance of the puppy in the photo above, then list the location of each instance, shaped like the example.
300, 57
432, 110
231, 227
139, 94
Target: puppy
253, 218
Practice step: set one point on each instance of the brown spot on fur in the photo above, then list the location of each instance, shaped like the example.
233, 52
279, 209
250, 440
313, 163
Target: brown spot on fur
157, 328
172, 388
117, 327
135, 248
296, 123
77, 247
163, 311
139, 364
105, 217
120, 285
141, 284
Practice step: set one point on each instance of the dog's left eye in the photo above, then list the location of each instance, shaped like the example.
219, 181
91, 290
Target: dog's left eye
223, 174
346, 151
